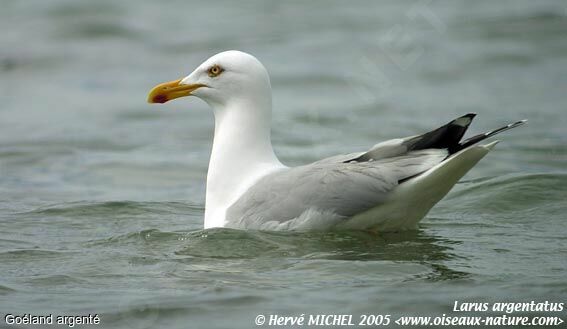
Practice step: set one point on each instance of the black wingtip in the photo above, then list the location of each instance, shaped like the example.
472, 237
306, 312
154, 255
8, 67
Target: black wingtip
475, 139
444, 137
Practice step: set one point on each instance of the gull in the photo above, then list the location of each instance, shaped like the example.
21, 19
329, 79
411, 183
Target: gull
389, 187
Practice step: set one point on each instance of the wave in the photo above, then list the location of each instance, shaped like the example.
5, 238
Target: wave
6, 290
86, 208
57, 279
518, 196
30, 254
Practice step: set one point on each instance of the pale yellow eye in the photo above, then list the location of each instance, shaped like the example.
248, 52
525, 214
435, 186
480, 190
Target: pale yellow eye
214, 71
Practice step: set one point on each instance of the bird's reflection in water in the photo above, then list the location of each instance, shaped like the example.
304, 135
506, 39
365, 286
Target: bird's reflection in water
417, 254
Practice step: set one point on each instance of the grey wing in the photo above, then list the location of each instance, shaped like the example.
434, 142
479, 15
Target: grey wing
335, 190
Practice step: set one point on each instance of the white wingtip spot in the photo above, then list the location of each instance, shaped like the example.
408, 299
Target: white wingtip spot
521, 122
463, 122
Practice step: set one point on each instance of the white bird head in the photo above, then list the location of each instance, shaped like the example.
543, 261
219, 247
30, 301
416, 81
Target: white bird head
224, 79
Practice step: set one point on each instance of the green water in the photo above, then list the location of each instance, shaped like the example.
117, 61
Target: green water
102, 195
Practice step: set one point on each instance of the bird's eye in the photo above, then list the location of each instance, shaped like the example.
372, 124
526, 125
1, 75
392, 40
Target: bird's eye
214, 71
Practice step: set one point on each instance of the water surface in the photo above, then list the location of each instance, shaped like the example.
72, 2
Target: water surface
102, 195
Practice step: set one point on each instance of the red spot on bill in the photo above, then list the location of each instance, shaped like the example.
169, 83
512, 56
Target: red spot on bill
160, 98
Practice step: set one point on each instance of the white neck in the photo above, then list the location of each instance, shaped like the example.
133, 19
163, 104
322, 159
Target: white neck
242, 153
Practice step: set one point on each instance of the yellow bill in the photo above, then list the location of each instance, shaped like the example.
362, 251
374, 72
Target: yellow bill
171, 90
